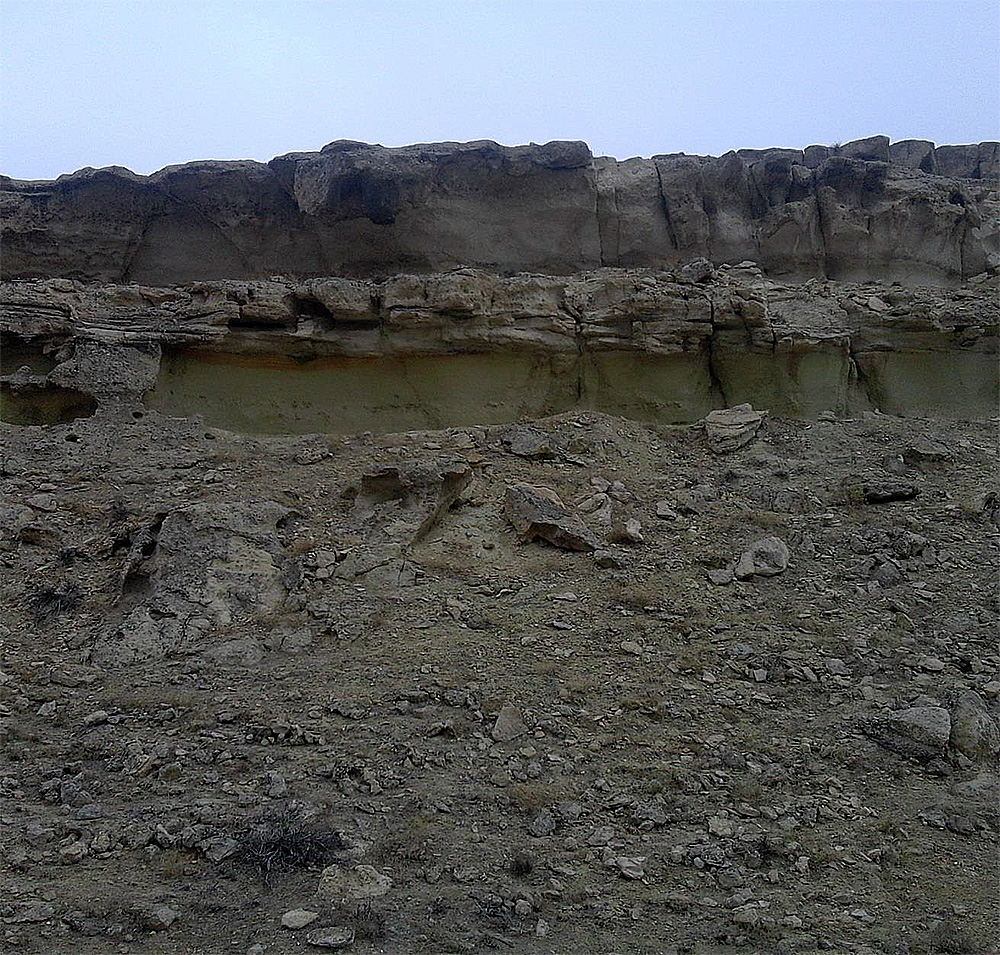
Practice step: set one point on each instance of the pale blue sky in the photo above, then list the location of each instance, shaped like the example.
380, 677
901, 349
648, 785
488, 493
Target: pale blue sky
145, 84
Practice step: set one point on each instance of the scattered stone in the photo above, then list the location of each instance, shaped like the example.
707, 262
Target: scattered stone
665, 511
538, 513
631, 867
528, 442
926, 452
340, 884
632, 532
721, 576
973, 731
543, 824
607, 560
764, 558
509, 724
924, 724
156, 918
884, 492
334, 937
731, 428
298, 918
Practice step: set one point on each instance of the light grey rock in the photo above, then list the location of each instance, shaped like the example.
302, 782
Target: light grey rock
731, 428
157, 918
509, 724
334, 937
298, 918
974, 732
930, 725
538, 513
767, 557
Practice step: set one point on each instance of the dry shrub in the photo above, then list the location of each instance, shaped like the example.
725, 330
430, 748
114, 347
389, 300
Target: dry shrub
281, 839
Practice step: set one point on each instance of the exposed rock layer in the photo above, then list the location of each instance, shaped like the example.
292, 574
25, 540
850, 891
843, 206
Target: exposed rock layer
868, 210
469, 346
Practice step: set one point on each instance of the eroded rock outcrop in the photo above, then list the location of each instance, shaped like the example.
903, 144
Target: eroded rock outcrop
650, 344
197, 572
906, 211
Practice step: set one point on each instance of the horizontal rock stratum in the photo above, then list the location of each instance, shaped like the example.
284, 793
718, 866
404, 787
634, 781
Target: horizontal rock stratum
906, 211
337, 354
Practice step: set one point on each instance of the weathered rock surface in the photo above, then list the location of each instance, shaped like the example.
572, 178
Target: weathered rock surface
764, 558
869, 209
537, 513
337, 355
974, 732
730, 428
196, 572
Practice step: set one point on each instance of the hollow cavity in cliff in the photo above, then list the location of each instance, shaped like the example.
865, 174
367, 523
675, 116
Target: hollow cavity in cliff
43, 404
18, 352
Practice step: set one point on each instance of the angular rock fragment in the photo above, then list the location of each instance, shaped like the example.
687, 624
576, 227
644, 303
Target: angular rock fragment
728, 429
340, 884
538, 513
974, 732
509, 724
333, 938
926, 453
884, 492
764, 558
930, 725
527, 442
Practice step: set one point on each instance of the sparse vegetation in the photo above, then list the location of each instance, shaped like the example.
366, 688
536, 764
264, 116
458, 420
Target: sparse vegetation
282, 838
51, 601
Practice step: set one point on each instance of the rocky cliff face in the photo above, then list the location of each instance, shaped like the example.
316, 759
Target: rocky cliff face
468, 346
905, 212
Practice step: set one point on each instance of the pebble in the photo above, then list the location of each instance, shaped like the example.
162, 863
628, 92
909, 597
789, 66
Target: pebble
334, 937
298, 918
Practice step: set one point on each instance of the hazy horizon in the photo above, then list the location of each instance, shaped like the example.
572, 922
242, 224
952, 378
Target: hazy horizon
148, 85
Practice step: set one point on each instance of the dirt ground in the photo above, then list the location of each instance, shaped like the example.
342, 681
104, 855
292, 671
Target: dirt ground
448, 739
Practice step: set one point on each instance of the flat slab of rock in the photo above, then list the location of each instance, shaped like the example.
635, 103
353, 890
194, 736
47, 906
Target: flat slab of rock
767, 557
537, 513
930, 725
358, 884
298, 918
332, 938
884, 492
730, 428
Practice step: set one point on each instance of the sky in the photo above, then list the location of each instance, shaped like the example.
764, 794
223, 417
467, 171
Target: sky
150, 83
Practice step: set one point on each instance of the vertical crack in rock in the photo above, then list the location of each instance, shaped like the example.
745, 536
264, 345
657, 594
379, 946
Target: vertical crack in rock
665, 207
713, 371
868, 387
821, 225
